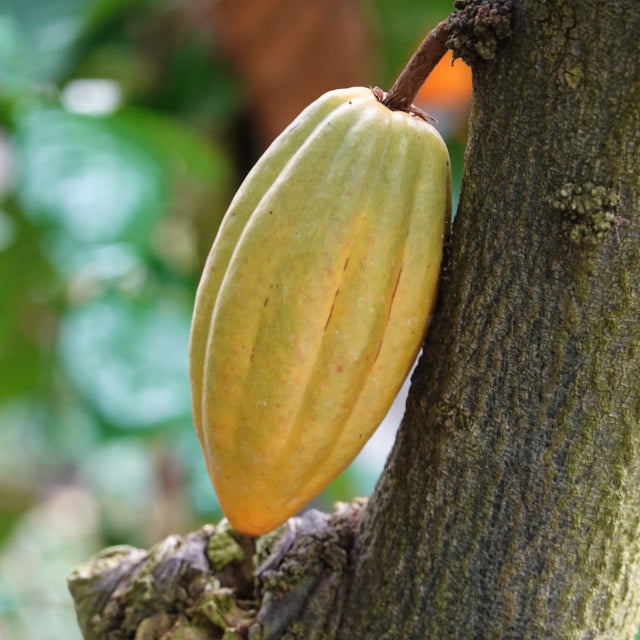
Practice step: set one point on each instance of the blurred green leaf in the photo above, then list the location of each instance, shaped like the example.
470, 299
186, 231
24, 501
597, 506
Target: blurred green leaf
93, 265
101, 184
23, 443
121, 476
199, 487
72, 429
25, 292
201, 87
91, 183
55, 535
39, 39
129, 360
7, 231
120, 469
14, 58
122, 63
174, 143
100, 12
36, 37
25, 459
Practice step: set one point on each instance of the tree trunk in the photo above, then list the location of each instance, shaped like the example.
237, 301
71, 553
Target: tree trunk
509, 507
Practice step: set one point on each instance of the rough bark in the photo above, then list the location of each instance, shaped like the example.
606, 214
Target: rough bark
509, 507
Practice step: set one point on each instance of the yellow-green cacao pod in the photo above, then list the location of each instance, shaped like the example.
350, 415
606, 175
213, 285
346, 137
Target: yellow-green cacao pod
314, 301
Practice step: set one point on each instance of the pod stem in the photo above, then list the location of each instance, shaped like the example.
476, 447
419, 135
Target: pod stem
422, 62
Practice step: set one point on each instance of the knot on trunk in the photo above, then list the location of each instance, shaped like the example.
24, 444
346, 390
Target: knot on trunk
476, 28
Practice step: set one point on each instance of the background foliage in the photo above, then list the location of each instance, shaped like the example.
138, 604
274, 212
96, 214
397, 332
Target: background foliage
125, 126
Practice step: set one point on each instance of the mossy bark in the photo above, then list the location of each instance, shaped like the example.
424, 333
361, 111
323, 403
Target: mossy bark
510, 506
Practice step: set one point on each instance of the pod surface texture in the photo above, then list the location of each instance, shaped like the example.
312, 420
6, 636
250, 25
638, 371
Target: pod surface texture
314, 301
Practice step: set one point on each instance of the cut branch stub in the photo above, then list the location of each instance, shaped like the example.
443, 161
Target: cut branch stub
217, 583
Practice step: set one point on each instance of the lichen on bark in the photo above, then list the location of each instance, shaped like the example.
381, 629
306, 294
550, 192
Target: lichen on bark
171, 592
589, 210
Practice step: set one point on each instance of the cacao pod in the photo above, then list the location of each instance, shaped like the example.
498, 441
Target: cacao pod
314, 301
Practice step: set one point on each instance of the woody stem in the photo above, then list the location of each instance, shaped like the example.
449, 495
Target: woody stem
422, 62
